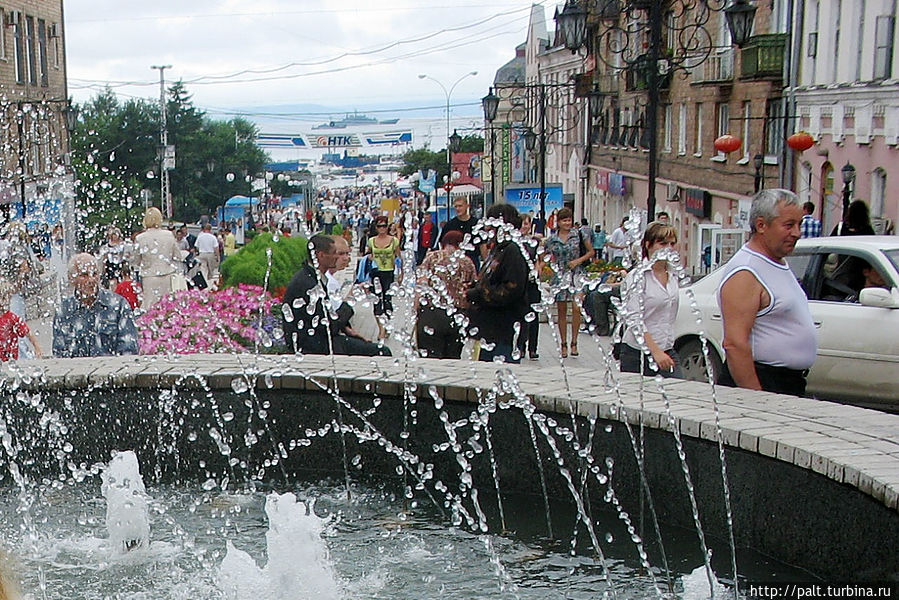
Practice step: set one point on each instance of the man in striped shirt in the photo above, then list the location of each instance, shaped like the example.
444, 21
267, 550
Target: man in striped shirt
809, 227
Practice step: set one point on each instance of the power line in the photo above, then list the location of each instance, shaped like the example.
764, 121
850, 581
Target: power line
201, 80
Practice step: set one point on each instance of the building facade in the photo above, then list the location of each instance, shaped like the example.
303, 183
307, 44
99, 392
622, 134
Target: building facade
848, 100
34, 106
716, 90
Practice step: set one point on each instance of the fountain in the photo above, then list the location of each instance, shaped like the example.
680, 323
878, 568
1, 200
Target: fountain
342, 477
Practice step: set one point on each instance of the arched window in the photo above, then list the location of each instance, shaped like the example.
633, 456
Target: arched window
878, 191
805, 182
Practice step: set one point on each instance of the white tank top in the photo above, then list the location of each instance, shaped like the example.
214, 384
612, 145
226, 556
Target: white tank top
784, 332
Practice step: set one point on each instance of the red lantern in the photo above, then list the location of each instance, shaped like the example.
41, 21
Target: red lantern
728, 143
801, 141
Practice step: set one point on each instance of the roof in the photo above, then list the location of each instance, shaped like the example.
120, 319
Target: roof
511, 72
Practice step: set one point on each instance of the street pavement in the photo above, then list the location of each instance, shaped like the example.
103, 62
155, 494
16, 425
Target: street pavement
40, 321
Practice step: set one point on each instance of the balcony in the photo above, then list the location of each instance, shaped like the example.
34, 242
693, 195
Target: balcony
763, 56
717, 68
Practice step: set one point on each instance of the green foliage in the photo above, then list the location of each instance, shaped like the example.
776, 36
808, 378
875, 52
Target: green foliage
424, 159
115, 147
250, 263
337, 229
472, 143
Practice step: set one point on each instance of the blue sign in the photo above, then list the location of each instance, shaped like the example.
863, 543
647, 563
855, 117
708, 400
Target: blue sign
527, 199
427, 183
277, 140
393, 137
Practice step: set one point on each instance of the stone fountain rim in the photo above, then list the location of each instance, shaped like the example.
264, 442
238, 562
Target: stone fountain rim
850, 445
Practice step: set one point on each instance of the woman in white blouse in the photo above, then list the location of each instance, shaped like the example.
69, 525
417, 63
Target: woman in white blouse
650, 295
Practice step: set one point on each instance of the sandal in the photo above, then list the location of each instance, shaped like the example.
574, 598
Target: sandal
564, 350
574, 349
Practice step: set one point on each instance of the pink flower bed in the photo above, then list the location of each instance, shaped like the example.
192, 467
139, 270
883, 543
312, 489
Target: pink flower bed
197, 321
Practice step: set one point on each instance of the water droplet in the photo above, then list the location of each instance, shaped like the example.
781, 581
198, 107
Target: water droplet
239, 385
209, 484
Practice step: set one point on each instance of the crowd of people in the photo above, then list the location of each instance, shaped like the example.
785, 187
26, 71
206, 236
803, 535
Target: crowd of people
479, 284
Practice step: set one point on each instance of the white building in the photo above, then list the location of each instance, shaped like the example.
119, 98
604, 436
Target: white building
848, 99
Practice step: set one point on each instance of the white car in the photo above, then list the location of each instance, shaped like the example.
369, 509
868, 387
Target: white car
858, 327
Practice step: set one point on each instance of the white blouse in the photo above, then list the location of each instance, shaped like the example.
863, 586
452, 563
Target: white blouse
642, 293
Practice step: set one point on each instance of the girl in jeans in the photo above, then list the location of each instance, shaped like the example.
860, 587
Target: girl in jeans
650, 294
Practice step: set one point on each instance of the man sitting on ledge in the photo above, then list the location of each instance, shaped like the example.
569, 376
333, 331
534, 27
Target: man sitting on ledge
312, 325
93, 321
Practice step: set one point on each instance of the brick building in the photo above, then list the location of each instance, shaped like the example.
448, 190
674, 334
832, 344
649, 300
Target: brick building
34, 105
726, 90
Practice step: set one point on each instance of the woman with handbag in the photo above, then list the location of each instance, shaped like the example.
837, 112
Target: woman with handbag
650, 297
569, 251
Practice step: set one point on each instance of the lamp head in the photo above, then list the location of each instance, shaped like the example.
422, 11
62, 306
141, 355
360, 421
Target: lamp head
740, 15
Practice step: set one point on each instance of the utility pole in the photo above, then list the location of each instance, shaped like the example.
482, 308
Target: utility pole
164, 145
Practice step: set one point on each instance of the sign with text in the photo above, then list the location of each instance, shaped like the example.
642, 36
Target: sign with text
698, 202
527, 198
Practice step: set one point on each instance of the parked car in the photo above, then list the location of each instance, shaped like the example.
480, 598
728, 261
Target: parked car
858, 326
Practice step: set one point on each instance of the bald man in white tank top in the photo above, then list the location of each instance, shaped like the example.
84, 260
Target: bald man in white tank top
770, 339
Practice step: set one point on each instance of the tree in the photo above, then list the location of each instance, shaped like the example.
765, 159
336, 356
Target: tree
472, 143
116, 157
424, 159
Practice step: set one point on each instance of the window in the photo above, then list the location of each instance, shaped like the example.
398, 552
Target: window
883, 47
697, 131
775, 129
779, 15
722, 118
31, 48
19, 46
682, 129
838, 8
878, 191
812, 50
747, 122
860, 15
42, 51
2, 34
54, 38
668, 129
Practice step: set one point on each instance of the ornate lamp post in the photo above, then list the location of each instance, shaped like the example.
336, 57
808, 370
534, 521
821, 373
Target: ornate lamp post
848, 173
490, 102
626, 40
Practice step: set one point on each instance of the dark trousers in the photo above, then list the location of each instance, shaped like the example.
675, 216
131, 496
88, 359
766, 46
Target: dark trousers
779, 380
438, 335
630, 363
384, 305
503, 350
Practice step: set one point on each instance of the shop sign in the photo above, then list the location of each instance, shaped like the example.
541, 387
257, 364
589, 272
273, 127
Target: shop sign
698, 202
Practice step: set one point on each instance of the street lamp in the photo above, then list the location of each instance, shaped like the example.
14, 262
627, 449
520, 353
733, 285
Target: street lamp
572, 22
455, 143
740, 15
848, 173
449, 93
490, 102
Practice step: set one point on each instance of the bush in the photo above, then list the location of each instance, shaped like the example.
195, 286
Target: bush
337, 229
250, 264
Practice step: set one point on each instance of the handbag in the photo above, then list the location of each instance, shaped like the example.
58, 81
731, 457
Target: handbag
582, 247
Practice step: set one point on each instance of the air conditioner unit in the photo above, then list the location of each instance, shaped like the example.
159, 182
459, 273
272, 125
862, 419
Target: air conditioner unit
13, 18
53, 32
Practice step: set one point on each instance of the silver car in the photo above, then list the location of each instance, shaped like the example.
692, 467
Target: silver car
857, 319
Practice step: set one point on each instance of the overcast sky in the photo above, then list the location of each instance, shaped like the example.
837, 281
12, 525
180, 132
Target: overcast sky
366, 53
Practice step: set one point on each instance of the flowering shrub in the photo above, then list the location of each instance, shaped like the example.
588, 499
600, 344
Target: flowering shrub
195, 321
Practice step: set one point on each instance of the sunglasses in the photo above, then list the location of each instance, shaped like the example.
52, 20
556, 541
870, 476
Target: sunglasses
381, 225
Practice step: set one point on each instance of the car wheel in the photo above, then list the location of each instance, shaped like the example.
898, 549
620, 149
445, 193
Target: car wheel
693, 360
